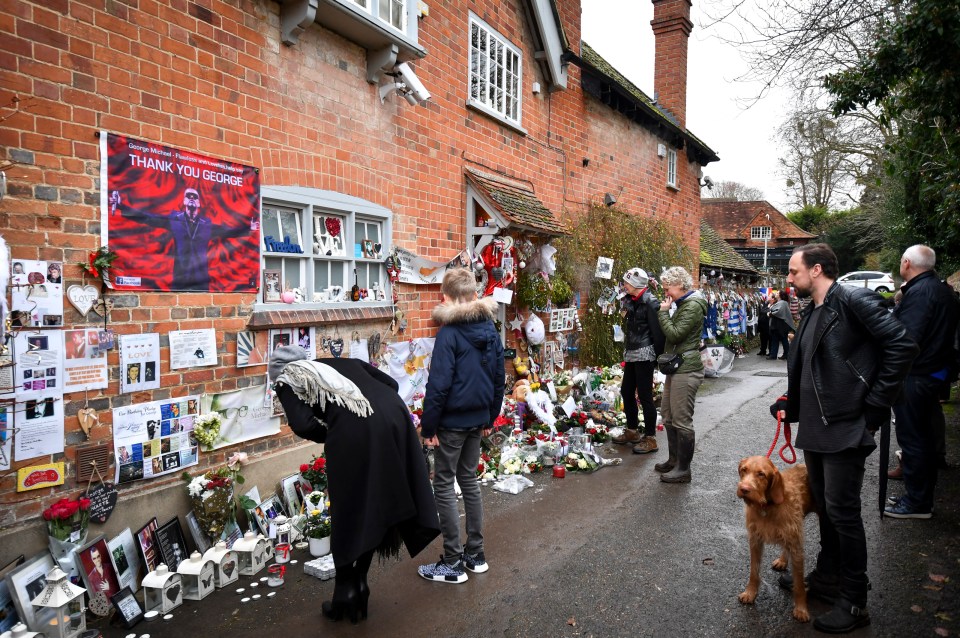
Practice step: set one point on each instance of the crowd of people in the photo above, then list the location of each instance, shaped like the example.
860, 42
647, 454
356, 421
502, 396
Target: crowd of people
851, 360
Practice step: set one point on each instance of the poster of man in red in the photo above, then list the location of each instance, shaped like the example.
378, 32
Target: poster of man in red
178, 220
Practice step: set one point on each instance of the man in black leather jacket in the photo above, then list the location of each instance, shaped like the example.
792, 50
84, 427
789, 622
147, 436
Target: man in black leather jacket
929, 312
845, 370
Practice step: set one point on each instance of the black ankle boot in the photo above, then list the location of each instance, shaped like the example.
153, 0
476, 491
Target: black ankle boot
347, 600
843, 618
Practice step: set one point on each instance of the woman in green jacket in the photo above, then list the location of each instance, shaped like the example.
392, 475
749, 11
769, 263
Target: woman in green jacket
682, 331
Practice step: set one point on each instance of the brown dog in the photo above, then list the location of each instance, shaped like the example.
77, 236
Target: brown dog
775, 504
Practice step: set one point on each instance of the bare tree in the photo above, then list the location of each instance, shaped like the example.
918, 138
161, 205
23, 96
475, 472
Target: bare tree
735, 191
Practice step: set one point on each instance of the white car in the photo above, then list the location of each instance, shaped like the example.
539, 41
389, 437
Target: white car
872, 279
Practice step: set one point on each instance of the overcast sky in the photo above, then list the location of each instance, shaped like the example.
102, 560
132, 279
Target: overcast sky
619, 30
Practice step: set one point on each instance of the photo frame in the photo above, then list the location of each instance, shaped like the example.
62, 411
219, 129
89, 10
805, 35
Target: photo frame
294, 488
200, 540
171, 543
96, 568
604, 268
367, 249
25, 583
126, 559
146, 546
127, 606
271, 286
252, 348
265, 511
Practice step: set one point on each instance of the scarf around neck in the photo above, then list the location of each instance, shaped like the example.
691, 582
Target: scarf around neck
316, 384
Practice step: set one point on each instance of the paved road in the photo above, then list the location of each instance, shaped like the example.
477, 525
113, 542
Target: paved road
617, 553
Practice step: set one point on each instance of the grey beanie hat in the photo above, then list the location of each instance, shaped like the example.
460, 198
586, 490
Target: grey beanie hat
636, 277
281, 357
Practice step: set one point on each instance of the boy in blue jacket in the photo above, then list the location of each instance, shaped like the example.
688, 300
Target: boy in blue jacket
463, 397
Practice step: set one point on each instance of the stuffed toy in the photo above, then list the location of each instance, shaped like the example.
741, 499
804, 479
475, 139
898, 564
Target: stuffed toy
535, 331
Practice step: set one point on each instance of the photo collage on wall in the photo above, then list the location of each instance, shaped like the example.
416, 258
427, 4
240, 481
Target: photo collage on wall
155, 438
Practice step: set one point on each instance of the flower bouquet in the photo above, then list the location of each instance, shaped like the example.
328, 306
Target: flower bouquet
206, 430
317, 525
488, 467
67, 522
579, 461
211, 495
315, 472
598, 432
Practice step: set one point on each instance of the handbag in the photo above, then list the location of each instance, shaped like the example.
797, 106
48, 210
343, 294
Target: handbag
669, 363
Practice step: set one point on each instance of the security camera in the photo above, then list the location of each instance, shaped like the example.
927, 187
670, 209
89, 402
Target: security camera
708, 182
413, 84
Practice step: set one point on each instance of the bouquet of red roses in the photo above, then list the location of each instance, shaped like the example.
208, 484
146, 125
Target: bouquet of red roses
315, 472
67, 520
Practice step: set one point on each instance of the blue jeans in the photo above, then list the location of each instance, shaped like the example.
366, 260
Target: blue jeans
458, 456
836, 480
917, 412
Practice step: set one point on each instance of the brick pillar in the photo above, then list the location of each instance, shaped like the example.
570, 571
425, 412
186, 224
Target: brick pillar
671, 29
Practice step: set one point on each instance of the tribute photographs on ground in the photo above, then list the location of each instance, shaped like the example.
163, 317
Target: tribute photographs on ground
178, 220
146, 547
126, 559
25, 583
127, 605
155, 438
264, 513
200, 540
139, 362
97, 571
193, 348
244, 416
294, 489
171, 543
36, 293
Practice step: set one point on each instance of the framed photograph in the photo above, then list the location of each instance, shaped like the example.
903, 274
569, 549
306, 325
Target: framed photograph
265, 512
126, 559
251, 348
200, 540
366, 247
8, 611
604, 268
96, 568
271, 286
170, 543
127, 606
25, 583
145, 545
294, 488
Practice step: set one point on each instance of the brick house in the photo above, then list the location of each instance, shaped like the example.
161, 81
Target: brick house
524, 127
744, 225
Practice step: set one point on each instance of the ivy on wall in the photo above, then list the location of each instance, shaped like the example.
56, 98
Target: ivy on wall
629, 240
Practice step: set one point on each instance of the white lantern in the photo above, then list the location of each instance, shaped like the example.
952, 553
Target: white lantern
281, 549
20, 631
225, 562
66, 600
253, 551
162, 590
197, 576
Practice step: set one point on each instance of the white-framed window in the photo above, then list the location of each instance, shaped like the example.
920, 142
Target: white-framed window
761, 232
672, 168
323, 244
394, 13
495, 72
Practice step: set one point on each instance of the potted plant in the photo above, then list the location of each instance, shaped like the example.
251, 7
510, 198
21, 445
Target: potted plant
315, 472
317, 530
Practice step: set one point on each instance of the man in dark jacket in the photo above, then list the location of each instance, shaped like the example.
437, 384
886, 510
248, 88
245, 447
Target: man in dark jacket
463, 397
845, 370
929, 312
643, 341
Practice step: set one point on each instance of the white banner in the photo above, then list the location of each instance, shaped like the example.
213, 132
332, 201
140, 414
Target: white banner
244, 415
409, 363
417, 270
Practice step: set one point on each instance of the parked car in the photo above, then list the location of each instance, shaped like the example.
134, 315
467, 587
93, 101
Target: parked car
874, 280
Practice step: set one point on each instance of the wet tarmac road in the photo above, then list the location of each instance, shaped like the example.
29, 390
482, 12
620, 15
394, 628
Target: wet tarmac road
617, 553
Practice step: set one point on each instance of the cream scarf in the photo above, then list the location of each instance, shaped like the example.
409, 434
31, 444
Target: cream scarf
316, 383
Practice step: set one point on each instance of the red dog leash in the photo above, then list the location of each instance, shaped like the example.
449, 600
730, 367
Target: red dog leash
787, 436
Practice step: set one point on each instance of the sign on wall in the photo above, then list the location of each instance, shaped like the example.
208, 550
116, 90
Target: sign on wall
178, 220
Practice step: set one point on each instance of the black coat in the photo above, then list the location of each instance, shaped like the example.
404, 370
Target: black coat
861, 354
376, 474
929, 312
641, 326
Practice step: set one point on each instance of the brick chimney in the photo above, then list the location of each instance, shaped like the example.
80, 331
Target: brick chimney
671, 29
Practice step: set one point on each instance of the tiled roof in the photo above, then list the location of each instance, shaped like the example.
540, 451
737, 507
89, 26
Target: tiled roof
517, 203
611, 87
716, 253
733, 219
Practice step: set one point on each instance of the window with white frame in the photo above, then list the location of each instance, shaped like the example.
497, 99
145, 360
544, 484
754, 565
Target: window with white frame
394, 13
495, 77
672, 168
322, 246
760, 232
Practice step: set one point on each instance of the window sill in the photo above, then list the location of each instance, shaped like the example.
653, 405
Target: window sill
296, 315
671, 187
499, 119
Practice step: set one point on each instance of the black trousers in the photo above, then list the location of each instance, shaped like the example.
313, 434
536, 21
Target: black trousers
763, 329
638, 384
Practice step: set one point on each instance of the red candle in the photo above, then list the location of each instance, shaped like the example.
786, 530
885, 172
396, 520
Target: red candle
559, 470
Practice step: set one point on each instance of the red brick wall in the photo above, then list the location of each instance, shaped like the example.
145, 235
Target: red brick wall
216, 79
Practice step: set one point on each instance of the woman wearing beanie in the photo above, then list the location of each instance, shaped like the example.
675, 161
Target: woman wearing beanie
682, 331
380, 496
643, 341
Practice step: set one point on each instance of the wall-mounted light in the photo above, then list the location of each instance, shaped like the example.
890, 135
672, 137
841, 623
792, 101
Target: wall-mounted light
535, 88
661, 150
609, 199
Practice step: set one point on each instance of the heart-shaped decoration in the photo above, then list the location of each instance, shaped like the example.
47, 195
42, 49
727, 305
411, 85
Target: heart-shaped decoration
100, 605
88, 418
103, 498
229, 567
336, 347
83, 298
173, 592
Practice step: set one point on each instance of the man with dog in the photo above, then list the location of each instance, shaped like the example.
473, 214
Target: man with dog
845, 370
